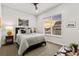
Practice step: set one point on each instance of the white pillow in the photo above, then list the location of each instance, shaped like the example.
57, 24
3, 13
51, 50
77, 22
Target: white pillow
19, 31
27, 31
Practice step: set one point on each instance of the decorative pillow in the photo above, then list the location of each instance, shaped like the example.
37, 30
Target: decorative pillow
23, 31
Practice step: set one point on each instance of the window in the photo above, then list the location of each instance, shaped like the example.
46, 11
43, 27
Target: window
52, 25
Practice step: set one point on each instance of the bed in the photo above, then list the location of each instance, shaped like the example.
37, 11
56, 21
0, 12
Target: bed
25, 41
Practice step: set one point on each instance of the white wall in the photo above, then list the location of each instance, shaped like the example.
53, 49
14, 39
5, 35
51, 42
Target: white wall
11, 16
0, 28
70, 13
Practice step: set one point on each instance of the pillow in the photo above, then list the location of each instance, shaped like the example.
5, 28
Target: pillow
28, 31
19, 32
23, 31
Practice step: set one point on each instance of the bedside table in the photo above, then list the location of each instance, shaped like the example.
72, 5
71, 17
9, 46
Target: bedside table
9, 39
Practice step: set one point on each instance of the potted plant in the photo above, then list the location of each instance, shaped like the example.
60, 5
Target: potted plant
74, 47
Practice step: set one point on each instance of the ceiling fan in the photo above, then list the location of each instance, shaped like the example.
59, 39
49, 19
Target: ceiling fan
35, 4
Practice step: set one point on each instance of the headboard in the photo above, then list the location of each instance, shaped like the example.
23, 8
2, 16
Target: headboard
21, 28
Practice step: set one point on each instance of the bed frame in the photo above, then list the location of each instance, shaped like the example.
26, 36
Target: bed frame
31, 47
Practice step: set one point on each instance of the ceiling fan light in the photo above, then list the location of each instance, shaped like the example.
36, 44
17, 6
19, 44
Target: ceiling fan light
36, 8
36, 11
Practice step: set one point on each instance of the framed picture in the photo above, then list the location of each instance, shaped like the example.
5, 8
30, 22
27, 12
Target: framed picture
22, 22
71, 24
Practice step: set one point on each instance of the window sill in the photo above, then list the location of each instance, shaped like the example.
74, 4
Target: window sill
58, 36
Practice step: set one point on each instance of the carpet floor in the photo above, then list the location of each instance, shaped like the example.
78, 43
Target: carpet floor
49, 50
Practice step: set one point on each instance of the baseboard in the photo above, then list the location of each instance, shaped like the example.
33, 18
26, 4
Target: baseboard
55, 43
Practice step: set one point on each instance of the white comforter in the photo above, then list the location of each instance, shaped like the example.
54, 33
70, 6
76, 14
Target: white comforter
26, 40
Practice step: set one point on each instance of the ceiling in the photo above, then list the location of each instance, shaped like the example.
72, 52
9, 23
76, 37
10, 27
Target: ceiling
30, 8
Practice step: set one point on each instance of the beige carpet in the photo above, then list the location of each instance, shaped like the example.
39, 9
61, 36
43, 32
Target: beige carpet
48, 50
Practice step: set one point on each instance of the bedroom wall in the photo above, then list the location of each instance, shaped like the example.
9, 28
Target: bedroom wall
0, 28
10, 17
70, 13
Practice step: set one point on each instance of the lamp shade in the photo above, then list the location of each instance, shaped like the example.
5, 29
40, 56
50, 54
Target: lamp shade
9, 30
9, 33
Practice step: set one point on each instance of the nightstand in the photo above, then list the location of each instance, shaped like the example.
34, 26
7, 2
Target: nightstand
9, 39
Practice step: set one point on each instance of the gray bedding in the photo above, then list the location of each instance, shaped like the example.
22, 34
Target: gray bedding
26, 40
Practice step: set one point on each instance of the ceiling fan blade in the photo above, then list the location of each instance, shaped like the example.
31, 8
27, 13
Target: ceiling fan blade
35, 4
